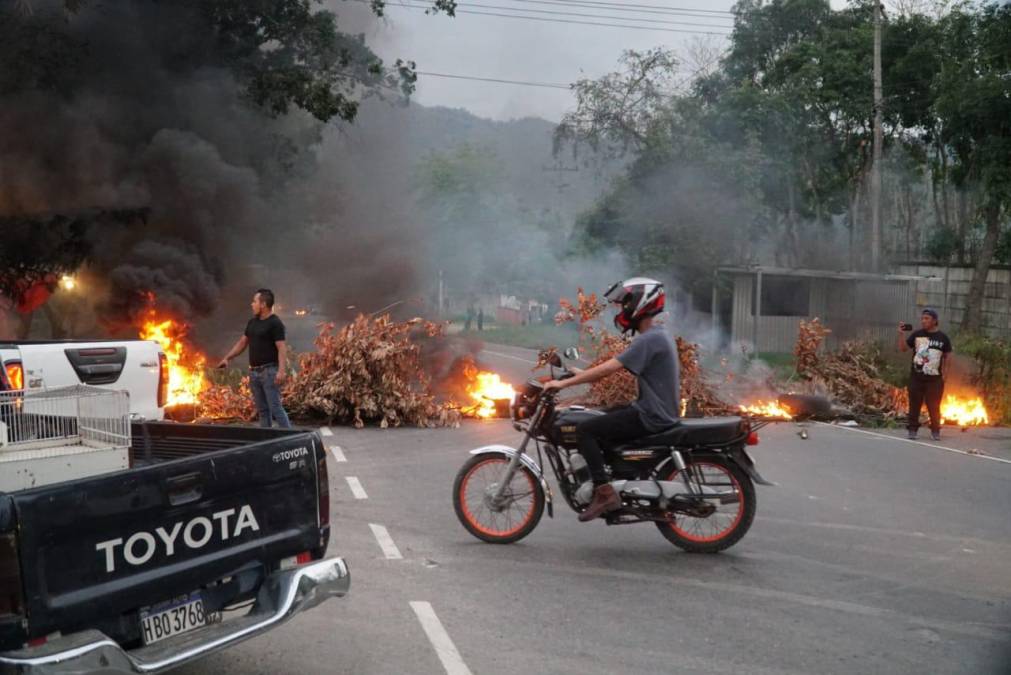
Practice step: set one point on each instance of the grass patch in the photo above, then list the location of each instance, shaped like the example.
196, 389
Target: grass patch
784, 365
535, 336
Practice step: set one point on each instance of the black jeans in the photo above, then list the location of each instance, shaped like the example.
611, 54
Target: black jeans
929, 390
618, 425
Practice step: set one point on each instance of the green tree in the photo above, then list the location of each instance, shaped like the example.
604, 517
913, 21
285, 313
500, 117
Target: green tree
974, 102
285, 53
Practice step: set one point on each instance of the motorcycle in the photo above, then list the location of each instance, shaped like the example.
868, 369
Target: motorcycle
695, 481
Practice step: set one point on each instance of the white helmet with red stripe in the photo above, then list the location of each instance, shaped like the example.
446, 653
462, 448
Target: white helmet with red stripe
639, 297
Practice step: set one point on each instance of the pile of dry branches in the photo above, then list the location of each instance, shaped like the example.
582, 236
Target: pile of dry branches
224, 403
810, 337
368, 371
619, 388
698, 397
850, 375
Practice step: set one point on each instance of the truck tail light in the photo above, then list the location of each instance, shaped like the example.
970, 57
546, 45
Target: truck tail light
11, 597
323, 487
752, 438
15, 375
163, 380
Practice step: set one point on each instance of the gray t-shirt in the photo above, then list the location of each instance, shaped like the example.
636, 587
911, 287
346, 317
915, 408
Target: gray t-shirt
653, 359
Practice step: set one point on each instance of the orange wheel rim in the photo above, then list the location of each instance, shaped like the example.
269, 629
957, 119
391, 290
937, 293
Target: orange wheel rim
721, 523
521, 493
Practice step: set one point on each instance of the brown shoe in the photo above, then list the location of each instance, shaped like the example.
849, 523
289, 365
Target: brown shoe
604, 499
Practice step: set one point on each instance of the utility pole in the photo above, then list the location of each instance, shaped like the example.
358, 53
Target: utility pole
876, 166
442, 295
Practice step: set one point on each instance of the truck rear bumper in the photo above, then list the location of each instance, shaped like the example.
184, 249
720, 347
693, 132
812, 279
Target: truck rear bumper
283, 595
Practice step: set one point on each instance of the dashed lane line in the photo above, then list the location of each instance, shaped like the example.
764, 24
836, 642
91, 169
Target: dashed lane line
325, 431
935, 446
437, 635
338, 453
385, 541
356, 487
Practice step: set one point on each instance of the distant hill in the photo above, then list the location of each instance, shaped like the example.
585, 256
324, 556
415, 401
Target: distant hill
404, 135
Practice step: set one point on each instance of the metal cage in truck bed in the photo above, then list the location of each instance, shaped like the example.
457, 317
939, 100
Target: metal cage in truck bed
56, 435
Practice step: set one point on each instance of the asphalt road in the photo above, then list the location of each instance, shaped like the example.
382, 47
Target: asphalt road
872, 555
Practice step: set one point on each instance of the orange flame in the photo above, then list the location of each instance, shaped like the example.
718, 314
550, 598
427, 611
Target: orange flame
963, 412
767, 409
186, 365
485, 388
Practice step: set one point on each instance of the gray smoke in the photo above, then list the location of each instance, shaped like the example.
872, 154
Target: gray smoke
141, 120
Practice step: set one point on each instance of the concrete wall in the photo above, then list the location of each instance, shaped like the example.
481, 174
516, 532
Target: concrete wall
948, 295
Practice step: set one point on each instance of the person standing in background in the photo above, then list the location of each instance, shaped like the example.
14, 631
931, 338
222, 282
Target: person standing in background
480, 318
268, 359
931, 350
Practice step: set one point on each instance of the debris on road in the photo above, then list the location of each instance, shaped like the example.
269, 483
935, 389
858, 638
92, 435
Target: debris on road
369, 371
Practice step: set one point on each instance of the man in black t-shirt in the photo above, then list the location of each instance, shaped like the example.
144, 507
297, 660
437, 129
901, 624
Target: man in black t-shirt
931, 350
267, 359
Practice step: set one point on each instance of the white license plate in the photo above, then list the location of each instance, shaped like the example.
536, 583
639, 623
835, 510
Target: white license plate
174, 617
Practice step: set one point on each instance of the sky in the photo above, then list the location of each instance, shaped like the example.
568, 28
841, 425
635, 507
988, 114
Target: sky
497, 47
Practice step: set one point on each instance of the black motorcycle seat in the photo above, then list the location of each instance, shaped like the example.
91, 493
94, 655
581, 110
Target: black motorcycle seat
693, 431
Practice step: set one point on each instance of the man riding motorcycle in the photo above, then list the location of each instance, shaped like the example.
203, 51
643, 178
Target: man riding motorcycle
652, 358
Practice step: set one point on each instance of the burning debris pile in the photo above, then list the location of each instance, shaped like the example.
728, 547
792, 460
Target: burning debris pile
369, 371
226, 403
186, 364
850, 375
486, 394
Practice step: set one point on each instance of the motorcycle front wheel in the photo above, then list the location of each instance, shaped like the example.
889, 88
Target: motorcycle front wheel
517, 514
729, 494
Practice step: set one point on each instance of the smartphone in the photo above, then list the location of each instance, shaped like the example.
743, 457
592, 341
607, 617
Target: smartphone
907, 327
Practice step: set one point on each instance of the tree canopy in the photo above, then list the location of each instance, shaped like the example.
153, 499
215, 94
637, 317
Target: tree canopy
781, 134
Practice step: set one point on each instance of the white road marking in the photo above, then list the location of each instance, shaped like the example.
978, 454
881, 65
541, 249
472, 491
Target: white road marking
382, 536
507, 356
338, 453
437, 635
356, 487
928, 445
325, 431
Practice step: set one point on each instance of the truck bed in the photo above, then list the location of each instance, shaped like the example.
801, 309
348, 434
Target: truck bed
158, 442
203, 508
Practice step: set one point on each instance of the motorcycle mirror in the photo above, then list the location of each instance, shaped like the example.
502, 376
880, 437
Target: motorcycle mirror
555, 360
572, 354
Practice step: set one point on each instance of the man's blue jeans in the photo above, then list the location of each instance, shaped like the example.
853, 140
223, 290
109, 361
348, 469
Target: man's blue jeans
268, 397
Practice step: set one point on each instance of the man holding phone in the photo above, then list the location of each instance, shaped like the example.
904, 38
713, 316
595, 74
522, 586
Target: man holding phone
931, 350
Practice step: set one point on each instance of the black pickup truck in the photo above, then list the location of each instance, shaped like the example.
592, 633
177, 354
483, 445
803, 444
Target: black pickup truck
212, 536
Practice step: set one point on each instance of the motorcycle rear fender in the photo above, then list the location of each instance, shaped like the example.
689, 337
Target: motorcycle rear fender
741, 457
527, 461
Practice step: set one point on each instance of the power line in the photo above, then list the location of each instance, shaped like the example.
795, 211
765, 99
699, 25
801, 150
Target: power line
592, 16
611, 6
664, 7
549, 85
406, 5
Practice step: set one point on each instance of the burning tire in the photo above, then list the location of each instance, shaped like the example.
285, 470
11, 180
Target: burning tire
804, 406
